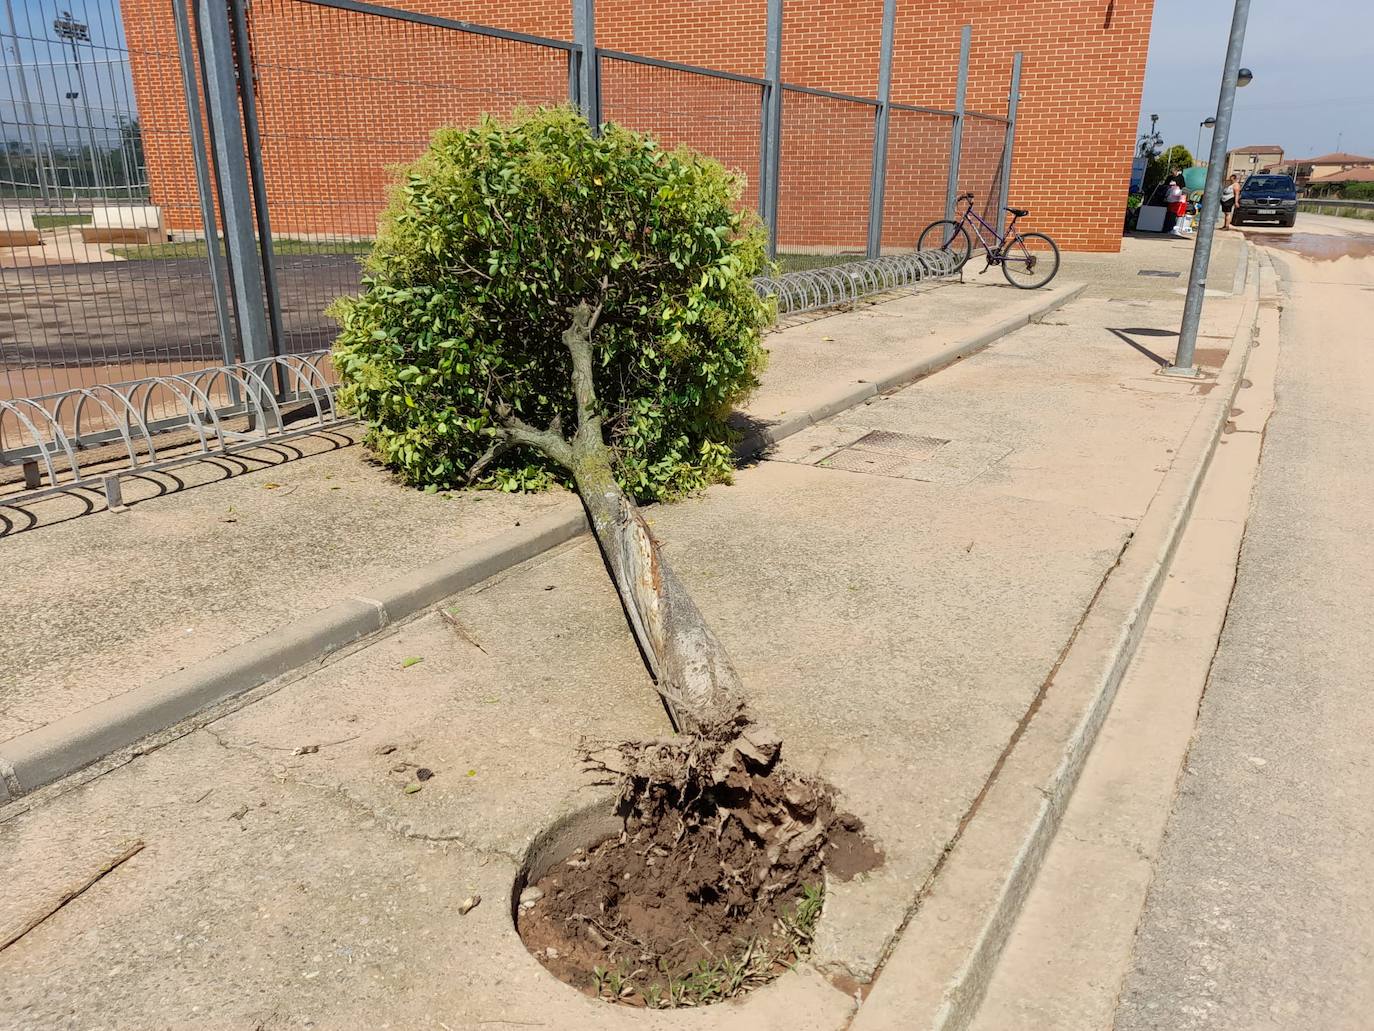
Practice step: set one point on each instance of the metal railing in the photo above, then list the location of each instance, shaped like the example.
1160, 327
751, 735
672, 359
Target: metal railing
1333, 203
850, 281
222, 410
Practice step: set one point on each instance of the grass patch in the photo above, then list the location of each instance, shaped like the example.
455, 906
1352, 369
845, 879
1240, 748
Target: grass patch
757, 962
805, 262
1327, 209
282, 246
57, 221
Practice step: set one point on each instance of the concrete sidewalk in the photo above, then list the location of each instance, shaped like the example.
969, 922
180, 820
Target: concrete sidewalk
1152, 265
205, 561
896, 585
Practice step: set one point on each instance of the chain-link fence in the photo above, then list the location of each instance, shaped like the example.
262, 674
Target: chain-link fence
193, 182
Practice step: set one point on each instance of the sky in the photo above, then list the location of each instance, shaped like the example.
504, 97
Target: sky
1313, 91
30, 43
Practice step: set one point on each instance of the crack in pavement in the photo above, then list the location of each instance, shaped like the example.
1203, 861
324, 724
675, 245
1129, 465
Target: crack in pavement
286, 775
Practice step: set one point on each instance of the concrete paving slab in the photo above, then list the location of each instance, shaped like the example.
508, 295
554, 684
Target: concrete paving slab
191, 574
887, 336
1118, 275
240, 562
982, 408
268, 903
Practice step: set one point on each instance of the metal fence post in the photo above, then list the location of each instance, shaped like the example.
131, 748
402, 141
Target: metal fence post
186, 52
956, 132
882, 119
770, 139
1211, 198
212, 28
248, 98
588, 63
1013, 99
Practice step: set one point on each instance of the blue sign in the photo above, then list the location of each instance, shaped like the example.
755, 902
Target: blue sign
1138, 174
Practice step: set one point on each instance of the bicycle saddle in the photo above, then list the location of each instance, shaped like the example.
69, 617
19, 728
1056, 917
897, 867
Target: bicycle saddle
1019, 212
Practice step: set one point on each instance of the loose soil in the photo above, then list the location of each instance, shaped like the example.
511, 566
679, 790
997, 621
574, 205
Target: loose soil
713, 886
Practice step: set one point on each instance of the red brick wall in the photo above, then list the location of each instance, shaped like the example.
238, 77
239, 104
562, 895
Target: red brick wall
344, 96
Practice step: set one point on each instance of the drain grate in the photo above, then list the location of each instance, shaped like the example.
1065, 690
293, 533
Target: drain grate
1158, 272
903, 445
885, 453
873, 462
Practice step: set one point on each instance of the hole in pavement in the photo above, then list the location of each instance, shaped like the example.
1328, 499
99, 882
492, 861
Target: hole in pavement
656, 910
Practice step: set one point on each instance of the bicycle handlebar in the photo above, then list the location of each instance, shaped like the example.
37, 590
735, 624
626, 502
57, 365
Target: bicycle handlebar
964, 196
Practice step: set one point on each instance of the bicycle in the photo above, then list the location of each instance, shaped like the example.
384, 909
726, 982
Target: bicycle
1033, 256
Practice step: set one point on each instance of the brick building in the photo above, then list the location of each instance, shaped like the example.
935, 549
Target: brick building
343, 96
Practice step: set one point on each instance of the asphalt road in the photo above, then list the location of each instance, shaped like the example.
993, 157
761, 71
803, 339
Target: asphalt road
1261, 913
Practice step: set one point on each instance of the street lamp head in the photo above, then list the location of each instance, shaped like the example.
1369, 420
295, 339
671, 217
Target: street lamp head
1244, 76
68, 28
1207, 123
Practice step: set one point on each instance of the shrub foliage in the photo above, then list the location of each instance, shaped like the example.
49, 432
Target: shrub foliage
489, 239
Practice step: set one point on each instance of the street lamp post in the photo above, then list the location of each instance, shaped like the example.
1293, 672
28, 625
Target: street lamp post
73, 31
23, 77
1232, 75
1206, 123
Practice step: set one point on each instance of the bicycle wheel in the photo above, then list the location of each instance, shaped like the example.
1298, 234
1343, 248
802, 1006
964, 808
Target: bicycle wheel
946, 236
1030, 260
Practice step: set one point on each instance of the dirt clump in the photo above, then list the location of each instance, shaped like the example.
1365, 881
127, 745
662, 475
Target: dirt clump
713, 886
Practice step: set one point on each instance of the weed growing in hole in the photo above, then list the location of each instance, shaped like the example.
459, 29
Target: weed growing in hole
758, 961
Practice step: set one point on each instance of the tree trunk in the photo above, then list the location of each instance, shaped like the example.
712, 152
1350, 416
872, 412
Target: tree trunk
690, 667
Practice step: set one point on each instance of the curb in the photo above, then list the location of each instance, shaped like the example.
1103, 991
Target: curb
937, 972
63, 747
1242, 262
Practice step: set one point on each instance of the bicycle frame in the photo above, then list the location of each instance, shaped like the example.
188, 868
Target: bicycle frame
976, 221
995, 255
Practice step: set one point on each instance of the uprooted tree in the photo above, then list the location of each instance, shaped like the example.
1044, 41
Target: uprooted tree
548, 305
544, 304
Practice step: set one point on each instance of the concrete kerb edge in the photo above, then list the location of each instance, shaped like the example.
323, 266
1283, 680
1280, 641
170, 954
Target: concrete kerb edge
69, 744
1242, 263
963, 993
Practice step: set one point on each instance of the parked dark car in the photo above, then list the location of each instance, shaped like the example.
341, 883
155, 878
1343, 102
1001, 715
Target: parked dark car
1266, 197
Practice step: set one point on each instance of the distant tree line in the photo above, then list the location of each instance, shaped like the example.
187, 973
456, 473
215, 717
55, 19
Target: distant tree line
68, 168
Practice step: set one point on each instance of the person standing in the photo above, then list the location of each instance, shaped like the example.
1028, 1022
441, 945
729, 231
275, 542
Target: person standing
1228, 200
1176, 203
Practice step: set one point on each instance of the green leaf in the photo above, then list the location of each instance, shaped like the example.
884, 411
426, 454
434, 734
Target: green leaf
498, 230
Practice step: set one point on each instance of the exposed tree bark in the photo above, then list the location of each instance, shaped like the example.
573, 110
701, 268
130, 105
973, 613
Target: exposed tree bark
690, 667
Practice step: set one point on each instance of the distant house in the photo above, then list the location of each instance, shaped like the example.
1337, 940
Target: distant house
1326, 184
1331, 164
1322, 168
1245, 160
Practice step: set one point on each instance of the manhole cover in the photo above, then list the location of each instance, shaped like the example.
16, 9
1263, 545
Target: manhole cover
903, 445
1158, 272
874, 462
